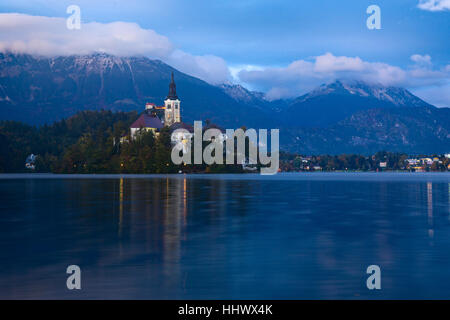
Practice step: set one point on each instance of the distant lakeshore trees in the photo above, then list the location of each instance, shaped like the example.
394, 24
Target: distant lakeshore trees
380, 161
88, 142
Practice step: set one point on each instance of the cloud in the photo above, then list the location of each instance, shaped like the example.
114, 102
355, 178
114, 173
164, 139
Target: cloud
303, 75
330, 63
423, 60
208, 67
436, 95
434, 5
49, 36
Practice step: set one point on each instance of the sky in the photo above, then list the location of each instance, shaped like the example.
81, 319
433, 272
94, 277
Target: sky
283, 48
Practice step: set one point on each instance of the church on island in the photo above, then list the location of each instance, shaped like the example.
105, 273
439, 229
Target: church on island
154, 117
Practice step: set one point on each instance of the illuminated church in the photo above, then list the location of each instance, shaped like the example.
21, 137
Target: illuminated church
155, 117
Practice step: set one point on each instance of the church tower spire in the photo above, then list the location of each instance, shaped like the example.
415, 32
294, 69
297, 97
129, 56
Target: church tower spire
172, 90
172, 112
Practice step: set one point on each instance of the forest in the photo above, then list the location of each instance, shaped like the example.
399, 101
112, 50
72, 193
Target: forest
88, 142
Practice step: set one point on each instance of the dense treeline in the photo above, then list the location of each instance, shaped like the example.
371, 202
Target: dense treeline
52, 142
89, 143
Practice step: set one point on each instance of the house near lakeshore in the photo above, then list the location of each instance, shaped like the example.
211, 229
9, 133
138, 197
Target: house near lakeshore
412, 162
30, 162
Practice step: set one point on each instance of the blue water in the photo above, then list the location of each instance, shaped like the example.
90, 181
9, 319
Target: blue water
289, 236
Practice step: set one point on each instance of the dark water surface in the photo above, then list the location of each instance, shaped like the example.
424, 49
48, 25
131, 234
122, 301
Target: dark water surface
289, 236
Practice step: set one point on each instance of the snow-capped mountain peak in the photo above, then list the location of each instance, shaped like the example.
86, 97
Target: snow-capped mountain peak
241, 94
388, 94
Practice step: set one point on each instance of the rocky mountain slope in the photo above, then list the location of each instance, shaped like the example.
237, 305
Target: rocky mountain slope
334, 102
40, 90
417, 130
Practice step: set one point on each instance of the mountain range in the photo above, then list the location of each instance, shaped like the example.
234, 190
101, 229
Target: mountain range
342, 116
39, 90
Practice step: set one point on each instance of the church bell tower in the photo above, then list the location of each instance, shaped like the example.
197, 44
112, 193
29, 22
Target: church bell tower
172, 110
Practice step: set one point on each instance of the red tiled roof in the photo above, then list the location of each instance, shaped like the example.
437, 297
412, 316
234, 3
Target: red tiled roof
147, 121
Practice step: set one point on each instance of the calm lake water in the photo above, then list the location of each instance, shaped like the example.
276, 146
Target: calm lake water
289, 236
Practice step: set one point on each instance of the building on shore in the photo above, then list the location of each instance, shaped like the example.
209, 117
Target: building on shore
30, 162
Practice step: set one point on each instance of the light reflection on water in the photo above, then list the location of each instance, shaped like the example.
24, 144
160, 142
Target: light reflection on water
249, 237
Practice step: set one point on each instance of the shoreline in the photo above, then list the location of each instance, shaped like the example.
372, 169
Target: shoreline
391, 176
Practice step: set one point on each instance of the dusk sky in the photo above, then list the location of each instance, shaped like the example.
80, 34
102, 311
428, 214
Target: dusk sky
283, 48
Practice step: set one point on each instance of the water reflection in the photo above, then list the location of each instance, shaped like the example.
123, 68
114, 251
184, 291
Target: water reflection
218, 237
120, 205
430, 209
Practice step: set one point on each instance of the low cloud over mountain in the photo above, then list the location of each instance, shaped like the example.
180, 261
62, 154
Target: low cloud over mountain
303, 75
48, 36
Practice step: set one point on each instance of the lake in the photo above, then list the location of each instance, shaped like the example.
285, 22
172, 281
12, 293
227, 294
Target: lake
288, 236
